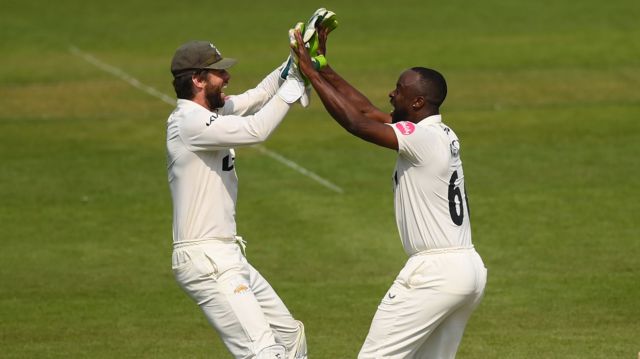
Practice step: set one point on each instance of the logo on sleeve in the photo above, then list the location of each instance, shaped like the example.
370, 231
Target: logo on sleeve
455, 148
405, 127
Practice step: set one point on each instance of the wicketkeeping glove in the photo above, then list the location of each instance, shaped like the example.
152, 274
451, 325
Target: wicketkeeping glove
292, 60
322, 17
293, 88
292, 66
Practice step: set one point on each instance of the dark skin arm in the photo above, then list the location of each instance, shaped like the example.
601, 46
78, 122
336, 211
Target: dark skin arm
345, 104
346, 89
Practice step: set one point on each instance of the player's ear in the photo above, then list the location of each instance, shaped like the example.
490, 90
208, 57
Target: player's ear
418, 103
198, 81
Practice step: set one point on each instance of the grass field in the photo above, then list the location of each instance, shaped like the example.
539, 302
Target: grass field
545, 96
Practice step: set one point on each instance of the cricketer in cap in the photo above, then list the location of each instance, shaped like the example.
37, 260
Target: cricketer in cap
208, 260
197, 55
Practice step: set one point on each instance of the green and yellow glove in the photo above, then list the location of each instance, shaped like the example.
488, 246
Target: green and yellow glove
320, 18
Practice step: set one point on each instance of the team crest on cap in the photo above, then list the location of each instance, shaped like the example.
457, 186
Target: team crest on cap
218, 54
405, 127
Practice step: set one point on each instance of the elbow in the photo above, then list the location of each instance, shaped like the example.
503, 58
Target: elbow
355, 126
262, 137
259, 136
260, 133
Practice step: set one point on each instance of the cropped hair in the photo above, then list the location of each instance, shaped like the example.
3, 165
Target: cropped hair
183, 85
432, 85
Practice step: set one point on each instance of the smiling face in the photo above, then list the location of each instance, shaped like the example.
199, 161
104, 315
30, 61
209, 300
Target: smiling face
215, 82
404, 96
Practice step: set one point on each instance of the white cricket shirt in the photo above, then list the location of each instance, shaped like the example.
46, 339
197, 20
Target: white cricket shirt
200, 157
430, 202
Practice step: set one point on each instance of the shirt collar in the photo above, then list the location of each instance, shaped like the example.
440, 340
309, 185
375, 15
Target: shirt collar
183, 103
433, 119
186, 103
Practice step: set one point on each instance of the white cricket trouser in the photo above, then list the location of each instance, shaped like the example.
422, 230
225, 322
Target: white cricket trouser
236, 300
424, 313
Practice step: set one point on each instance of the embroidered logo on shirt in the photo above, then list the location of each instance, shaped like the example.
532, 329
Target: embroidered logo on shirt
212, 118
228, 163
406, 128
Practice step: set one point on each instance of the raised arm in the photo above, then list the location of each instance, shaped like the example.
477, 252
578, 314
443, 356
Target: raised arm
349, 108
346, 89
252, 100
358, 100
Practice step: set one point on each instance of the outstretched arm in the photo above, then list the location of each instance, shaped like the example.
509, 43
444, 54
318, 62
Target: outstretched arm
345, 88
356, 97
251, 101
349, 108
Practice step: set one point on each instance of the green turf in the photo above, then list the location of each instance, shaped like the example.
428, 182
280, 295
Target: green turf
543, 94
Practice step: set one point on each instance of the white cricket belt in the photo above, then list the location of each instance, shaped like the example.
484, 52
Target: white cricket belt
427, 252
192, 242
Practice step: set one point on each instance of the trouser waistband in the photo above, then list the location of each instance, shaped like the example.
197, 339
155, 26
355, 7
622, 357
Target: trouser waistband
192, 242
443, 250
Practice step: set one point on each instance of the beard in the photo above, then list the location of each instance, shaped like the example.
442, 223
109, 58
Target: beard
213, 97
398, 115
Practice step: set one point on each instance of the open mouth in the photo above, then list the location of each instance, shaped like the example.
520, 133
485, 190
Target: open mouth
222, 94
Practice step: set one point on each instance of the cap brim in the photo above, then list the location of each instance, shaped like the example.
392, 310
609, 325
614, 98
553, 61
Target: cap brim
222, 64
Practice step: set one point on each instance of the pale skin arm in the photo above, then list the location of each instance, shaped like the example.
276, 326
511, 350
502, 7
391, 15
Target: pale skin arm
350, 108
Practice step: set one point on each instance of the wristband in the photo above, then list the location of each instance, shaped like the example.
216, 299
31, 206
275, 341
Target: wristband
319, 62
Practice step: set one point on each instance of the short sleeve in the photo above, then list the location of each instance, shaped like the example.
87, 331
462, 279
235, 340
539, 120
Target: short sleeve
417, 144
